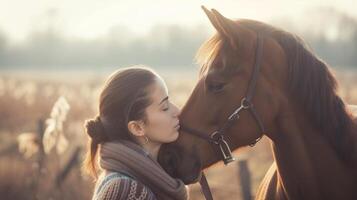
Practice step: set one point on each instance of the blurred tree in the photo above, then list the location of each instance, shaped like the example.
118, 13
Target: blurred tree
3, 46
331, 33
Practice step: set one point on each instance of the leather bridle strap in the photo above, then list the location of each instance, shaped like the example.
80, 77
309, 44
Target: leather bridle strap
205, 187
256, 69
253, 83
246, 102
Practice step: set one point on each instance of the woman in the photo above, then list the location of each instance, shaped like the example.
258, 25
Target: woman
135, 119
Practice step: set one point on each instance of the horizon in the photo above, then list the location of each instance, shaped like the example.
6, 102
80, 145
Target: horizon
48, 34
91, 19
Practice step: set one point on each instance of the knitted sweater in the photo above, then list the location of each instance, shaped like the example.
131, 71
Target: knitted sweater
119, 186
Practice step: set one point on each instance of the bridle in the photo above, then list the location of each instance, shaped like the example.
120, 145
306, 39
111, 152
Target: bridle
217, 137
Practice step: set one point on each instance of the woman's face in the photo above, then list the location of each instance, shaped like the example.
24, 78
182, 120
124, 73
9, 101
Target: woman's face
162, 122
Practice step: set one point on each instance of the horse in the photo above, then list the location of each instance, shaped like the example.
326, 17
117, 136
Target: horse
258, 80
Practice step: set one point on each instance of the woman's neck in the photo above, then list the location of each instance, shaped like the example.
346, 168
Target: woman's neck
152, 148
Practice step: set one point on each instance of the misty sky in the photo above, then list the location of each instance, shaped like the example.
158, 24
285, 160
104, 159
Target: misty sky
96, 18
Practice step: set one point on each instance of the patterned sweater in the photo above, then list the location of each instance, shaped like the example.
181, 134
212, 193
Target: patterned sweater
119, 186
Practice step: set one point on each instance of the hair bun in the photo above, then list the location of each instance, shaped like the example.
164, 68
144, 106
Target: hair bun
95, 129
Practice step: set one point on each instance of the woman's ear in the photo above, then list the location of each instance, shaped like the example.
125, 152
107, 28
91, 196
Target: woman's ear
136, 128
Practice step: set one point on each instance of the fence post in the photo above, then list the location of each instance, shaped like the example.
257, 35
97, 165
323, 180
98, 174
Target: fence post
39, 159
41, 155
72, 162
244, 179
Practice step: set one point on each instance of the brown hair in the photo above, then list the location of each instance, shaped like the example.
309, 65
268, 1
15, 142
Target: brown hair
124, 97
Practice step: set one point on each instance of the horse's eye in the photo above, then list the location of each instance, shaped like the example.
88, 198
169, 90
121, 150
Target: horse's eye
216, 87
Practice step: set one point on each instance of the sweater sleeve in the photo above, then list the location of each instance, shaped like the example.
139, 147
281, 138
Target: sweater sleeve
125, 189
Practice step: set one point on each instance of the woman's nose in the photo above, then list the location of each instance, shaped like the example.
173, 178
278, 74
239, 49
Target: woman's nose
176, 110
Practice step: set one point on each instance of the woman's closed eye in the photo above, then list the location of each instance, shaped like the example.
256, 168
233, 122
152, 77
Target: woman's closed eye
166, 106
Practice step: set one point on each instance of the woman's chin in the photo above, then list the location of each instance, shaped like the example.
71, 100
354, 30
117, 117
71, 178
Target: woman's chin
172, 138
175, 136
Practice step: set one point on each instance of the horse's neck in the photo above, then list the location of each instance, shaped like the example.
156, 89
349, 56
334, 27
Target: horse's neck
307, 166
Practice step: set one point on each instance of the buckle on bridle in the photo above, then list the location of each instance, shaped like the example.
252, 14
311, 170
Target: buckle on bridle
256, 141
226, 152
245, 103
215, 139
223, 146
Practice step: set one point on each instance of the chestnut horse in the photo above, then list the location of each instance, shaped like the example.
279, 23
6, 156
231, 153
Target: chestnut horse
313, 134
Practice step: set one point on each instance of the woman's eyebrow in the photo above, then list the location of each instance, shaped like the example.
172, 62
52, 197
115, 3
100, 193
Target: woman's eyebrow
165, 99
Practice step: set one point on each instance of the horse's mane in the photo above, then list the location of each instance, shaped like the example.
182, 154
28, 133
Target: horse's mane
310, 82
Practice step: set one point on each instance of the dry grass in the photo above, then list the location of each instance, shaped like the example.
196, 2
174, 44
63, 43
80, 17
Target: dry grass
16, 180
25, 100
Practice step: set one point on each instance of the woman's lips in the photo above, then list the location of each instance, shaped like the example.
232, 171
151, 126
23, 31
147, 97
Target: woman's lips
177, 127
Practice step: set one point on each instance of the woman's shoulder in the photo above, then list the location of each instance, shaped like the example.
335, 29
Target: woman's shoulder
118, 186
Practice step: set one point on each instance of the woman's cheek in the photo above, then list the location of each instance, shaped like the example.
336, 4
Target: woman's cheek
164, 121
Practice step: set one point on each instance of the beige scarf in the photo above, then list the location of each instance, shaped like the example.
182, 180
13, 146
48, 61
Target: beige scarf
128, 157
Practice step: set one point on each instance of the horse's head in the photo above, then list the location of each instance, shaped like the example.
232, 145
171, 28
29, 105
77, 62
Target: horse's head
228, 61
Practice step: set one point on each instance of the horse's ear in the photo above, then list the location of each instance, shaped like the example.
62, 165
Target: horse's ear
227, 28
213, 20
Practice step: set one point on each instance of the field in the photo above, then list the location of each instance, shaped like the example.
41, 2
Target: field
27, 100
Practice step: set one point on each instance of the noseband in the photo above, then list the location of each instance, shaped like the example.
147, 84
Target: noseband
217, 137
